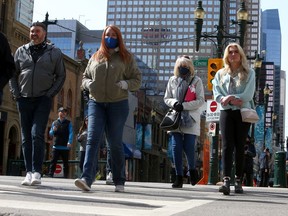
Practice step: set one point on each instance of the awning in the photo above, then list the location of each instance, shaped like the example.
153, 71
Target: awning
131, 151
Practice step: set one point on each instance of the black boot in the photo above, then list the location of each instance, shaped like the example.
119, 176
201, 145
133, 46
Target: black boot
178, 182
238, 185
225, 188
194, 176
172, 175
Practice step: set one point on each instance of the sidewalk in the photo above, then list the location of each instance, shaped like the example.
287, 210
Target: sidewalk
57, 196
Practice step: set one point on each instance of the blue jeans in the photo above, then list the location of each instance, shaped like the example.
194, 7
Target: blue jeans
34, 114
182, 142
109, 118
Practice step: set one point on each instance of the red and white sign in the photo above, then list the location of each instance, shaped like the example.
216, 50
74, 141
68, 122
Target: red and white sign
212, 129
213, 106
213, 111
59, 171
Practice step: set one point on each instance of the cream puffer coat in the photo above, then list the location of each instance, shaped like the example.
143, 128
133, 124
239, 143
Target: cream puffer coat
194, 107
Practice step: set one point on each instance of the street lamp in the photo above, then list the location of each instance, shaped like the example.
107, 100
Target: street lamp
219, 37
257, 67
221, 34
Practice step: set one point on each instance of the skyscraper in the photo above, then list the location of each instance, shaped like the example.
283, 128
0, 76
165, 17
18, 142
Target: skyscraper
157, 32
271, 43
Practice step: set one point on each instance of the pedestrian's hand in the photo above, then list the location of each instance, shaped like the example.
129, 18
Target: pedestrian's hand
122, 84
178, 107
69, 145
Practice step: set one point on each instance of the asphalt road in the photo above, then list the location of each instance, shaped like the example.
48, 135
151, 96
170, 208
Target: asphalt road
58, 196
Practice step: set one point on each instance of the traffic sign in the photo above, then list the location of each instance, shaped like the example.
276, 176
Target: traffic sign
212, 129
59, 171
213, 106
200, 63
212, 111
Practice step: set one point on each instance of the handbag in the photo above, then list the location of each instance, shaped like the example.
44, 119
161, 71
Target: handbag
171, 120
249, 115
190, 94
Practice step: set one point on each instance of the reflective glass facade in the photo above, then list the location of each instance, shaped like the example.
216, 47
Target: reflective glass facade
157, 32
24, 11
271, 43
67, 34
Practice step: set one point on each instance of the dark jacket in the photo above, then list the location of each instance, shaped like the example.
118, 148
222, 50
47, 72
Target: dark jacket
250, 153
63, 135
101, 79
46, 76
7, 66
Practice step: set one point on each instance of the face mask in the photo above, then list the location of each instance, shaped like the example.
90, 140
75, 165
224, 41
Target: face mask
183, 71
111, 42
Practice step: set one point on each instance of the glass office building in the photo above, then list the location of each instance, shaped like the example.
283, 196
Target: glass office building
24, 11
271, 42
157, 32
68, 34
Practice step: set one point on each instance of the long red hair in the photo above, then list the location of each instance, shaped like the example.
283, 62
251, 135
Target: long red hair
103, 53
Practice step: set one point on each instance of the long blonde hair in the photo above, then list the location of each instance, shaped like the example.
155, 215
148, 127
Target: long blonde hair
243, 70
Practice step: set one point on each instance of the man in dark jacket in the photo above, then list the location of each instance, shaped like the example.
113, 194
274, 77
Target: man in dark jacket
39, 76
62, 130
7, 66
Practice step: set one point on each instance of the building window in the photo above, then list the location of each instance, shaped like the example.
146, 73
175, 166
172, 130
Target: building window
60, 99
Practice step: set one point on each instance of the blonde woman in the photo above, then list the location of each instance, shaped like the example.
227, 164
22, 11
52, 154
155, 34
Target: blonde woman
183, 138
233, 88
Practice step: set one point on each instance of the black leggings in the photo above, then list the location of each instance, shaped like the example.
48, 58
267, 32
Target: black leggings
234, 133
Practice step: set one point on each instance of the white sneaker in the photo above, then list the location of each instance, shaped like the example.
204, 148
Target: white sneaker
82, 184
27, 180
109, 179
36, 178
119, 188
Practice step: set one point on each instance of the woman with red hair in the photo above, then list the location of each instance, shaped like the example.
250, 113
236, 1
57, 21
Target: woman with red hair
110, 74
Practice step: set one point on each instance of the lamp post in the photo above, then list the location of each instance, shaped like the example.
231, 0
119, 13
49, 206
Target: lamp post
219, 37
221, 34
142, 115
266, 91
257, 67
46, 22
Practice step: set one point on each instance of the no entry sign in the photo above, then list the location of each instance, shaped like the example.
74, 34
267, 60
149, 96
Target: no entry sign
213, 106
213, 111
59, 171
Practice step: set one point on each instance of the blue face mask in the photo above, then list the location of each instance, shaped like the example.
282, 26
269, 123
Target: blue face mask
111, 42
183, 71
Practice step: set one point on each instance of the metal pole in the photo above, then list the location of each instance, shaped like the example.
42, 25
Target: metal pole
220, 32
213, 174
144, 122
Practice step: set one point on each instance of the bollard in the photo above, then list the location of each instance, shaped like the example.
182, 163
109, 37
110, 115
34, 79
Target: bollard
280, 169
